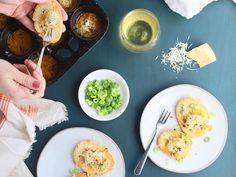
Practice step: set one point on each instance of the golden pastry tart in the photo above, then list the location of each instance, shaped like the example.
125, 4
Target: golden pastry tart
93, 158
175, 144
48, 17
193, 117
79, 175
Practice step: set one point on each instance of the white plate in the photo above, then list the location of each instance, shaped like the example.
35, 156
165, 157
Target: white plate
100, 75
56, 158
202, 154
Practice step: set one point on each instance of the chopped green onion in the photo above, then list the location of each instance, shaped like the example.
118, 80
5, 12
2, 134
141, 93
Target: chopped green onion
206, 139
103, 167
192, 106
181, 111
185, 137
103, 96
177, 126
212, 114
156, 149
74, 170
95, 100
180, 161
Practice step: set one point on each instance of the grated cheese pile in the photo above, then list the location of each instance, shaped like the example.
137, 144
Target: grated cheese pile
176, 57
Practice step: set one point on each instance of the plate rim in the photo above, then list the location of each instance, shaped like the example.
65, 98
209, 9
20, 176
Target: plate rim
86, 128
225, 136
125, 86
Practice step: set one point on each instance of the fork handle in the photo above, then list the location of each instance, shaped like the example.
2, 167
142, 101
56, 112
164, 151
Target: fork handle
38, 66
139, 168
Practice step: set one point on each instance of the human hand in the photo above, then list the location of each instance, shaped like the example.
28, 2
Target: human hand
19, 9
17, 81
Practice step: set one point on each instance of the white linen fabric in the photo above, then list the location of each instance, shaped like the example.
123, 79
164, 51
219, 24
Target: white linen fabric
188, 8
17, 132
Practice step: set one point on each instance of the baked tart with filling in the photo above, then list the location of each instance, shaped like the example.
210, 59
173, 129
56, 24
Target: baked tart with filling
193, 117
93, 158
48, 17
68, 5
175, 144
82, 175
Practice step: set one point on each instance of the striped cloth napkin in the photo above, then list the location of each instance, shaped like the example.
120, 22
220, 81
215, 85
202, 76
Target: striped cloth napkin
17, 130
188, 8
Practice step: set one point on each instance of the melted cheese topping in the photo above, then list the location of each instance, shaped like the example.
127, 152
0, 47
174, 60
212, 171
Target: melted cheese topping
194, 121
93, 157
51, 19
176, 145
66, 3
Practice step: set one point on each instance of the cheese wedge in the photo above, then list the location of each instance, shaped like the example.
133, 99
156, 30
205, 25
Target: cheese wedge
48, 17
203, 55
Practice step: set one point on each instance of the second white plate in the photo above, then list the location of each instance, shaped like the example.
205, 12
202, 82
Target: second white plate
56, 158
202, 154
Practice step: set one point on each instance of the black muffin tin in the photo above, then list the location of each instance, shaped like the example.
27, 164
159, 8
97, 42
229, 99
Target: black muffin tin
69, 51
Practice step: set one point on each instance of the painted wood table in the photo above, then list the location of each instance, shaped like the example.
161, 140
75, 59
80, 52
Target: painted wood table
216, 24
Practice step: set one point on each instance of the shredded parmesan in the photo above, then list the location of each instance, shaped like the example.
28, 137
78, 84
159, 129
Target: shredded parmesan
176, 145
93, 156
176, 57
66, 3
88, 26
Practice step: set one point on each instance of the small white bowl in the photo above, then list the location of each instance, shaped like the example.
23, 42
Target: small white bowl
100, 75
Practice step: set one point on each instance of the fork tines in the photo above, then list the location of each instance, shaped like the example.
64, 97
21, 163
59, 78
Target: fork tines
164, 116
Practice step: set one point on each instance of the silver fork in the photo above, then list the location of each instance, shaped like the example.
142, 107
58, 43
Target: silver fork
159, 125
46, 41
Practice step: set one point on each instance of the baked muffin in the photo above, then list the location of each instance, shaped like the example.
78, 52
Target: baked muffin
48, 17
49, 67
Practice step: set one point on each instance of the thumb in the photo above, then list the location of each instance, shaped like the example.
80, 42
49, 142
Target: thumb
26, 80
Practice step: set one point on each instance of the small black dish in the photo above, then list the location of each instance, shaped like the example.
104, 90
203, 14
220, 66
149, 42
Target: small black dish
94, 9
7, 32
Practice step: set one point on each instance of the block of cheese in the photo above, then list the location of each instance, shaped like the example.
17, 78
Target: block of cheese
202, 54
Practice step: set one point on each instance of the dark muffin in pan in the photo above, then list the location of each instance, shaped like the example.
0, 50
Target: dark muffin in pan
18, 42
69, 5
88, 22
49, 65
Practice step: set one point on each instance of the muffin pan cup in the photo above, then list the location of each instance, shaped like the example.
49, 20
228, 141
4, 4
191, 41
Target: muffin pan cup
69, 51
5, 52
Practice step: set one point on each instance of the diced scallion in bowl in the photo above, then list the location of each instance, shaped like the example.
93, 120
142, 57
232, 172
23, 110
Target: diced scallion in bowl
103, 96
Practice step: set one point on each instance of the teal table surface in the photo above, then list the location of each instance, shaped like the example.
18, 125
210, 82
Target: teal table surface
216, 24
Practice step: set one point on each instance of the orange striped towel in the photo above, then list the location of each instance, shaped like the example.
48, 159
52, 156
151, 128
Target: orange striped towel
17, 130
30, 110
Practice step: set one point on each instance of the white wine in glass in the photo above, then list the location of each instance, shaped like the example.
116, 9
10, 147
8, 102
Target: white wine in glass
139, 30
